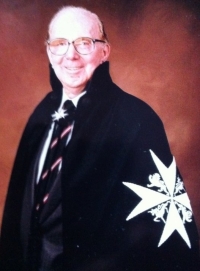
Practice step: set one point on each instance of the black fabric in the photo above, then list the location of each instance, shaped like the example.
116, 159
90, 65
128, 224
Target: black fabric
45, 245
45, 183
44, 252
112, 138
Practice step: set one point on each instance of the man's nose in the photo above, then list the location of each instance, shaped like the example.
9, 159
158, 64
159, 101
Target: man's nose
71, 52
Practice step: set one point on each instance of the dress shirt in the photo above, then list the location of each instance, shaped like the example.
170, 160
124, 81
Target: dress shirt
48, 139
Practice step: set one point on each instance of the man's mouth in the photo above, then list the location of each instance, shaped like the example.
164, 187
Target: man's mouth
73, 68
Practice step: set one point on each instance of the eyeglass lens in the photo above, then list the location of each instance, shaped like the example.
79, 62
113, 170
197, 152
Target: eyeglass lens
82, 45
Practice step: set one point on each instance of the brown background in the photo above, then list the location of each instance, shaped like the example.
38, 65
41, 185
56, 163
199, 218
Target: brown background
155, 56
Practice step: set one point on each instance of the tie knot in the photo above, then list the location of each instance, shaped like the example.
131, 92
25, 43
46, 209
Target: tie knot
66, 113
69, 112
69, 106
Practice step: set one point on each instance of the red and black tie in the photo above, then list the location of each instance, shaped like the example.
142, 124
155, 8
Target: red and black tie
62, 129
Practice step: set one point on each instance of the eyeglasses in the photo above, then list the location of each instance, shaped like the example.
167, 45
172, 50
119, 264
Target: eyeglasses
83, 46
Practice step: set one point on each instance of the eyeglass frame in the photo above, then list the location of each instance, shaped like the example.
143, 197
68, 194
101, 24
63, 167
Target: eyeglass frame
72, 42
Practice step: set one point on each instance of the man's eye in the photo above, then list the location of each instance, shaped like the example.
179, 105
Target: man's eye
85, 42
82, 42
62, 43
58, 43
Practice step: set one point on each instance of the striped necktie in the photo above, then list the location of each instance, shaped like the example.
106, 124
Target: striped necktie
63, 124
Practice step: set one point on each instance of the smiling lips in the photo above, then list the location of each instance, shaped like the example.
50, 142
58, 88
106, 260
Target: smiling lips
73, 70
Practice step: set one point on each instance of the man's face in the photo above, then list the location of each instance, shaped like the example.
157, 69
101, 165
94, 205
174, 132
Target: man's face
72, 69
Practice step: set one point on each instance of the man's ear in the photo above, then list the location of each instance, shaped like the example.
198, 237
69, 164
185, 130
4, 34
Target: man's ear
106, 51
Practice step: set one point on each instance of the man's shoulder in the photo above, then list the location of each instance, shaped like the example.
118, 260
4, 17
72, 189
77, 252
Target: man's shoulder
45, 107
132, 105
51, 99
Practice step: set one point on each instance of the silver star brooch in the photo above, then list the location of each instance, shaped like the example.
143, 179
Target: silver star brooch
61, 113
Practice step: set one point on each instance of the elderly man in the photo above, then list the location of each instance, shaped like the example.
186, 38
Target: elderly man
94, 185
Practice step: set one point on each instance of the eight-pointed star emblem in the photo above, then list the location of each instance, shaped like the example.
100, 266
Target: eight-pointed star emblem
166, 197
61, 113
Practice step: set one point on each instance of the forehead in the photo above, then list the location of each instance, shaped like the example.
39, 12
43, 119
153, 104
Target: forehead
71, 26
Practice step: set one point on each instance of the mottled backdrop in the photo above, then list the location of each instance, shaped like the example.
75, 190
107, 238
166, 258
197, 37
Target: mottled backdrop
155, 56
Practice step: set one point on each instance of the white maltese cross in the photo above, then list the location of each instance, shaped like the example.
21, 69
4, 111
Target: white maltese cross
172, 203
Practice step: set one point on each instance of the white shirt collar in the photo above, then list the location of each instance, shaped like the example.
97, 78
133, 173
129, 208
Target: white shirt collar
74, 100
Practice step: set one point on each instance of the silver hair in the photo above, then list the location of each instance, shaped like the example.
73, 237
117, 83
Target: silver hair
64, 11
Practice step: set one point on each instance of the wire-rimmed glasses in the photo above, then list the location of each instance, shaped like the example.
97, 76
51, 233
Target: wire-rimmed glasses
83, 45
